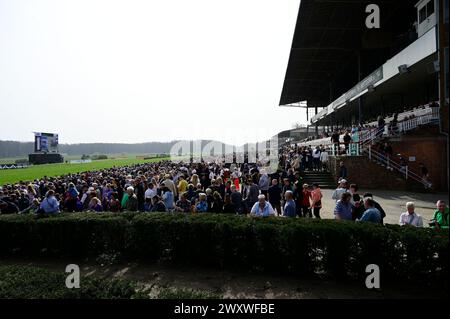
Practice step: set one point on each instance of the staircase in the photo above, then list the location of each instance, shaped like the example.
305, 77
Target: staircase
324, 179
365, 148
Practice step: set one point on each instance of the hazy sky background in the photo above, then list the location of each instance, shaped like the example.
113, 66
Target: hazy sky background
139, 71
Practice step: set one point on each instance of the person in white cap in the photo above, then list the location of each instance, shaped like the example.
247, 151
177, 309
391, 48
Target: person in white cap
131, 204
343, 188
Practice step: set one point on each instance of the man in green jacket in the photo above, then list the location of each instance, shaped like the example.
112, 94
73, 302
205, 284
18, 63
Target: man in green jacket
131, 203
441, 215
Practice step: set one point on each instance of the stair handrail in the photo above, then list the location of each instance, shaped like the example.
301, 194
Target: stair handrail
404, 170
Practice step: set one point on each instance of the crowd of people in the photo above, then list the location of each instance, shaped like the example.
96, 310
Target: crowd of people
164, 187
216, 187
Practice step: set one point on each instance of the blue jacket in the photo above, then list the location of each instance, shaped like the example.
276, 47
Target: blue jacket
50, 205
289, 209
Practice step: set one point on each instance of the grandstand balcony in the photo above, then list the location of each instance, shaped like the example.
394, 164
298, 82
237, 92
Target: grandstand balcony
351, 75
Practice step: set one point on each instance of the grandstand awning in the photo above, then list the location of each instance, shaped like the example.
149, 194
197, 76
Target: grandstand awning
332, 44
400, 91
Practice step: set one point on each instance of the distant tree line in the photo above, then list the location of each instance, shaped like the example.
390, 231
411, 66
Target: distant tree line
16, 149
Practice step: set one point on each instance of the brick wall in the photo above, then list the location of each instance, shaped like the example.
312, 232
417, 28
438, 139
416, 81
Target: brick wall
367, 174
431, 150
425, 144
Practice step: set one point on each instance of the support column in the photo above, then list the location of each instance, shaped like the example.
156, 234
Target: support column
443, 92
317, 127
360, 98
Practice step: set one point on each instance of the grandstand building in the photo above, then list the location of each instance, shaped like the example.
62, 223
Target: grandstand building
346, 73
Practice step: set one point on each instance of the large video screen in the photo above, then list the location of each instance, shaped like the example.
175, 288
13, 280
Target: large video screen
45, 142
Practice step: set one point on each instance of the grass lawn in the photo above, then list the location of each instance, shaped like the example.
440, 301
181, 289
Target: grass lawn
38, 171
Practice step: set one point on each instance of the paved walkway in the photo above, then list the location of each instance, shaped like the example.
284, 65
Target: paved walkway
393, 203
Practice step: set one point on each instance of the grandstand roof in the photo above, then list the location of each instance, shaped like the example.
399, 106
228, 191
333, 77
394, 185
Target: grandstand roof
327, 38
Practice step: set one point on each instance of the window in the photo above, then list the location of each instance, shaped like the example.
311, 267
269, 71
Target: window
446, 73
446, 11
430, 8
426, 11
422, 14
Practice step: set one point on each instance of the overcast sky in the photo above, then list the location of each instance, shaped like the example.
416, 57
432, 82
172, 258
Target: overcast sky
139, 71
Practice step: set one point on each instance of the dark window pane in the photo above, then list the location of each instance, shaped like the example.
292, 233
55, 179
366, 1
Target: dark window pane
422, 14
430, 8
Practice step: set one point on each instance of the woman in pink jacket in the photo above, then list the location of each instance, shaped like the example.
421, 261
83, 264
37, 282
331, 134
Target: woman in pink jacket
316, 200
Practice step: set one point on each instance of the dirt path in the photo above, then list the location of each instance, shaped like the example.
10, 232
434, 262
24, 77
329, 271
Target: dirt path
231, 284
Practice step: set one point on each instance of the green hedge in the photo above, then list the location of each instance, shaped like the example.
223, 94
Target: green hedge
25, 282
291, 246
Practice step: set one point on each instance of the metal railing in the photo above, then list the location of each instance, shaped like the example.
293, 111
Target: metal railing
368, 138
424, 116
393, 165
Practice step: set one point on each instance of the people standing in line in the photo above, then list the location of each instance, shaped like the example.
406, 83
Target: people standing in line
183, 205
440, 216
316, 159
236, 200
139, 190
50, 204
343, 173
347, 139
371, 214
168, 197
357, 201
251, 193
95, 205
274, 196
168, 182
335, 141
71, 198
410, 218
158, 205
298, 196
131, 203
201, 205
344, 207
316, 200
287, 186
151, 191
324, 159
114, 203
182, 184
376, 205
342, 188
228, 207
262, 208
217, 204
264, 183
306, 201
289, 209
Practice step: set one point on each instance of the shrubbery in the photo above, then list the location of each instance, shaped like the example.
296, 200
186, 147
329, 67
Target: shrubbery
295, 246
25, 282
99, 157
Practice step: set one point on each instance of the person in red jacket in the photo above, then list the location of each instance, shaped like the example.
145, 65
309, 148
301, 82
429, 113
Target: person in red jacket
306, 201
